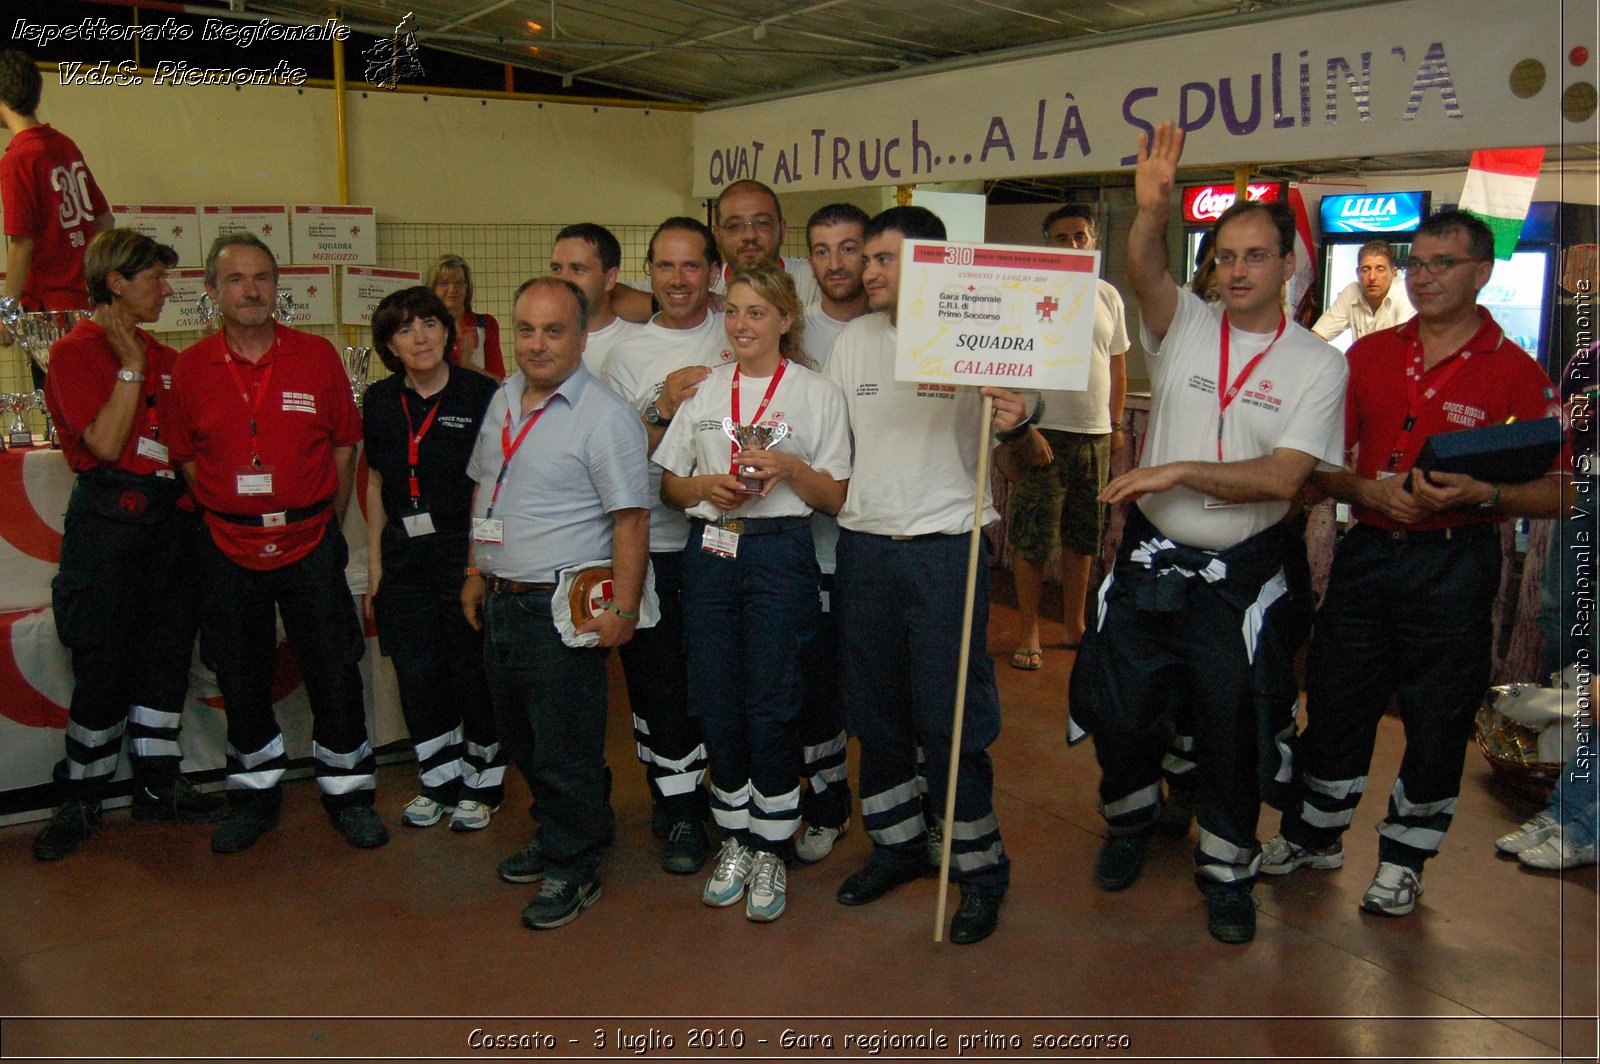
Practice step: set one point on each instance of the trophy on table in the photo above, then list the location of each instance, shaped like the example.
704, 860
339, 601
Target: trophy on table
356, 362
18, 434
36, 331
753, 437
284, 310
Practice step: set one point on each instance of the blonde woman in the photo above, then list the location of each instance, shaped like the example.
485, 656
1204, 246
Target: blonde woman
477, 343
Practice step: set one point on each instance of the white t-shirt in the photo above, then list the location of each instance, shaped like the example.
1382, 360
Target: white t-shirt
805, 282
637, 368
819, 336
1293, 399
917, 445
601, 341
806, 401
1089, 411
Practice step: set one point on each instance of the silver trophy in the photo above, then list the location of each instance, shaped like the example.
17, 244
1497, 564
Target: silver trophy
284, 310
18, 434
753, 437
207, 310
37, 331
357, 360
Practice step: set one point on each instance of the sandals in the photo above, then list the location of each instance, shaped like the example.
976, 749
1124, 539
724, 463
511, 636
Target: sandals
1027, 659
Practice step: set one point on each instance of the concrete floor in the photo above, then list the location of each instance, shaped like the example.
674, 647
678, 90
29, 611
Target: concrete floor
146, 945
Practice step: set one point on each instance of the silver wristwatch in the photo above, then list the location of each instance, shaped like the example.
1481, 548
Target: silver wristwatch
128, 376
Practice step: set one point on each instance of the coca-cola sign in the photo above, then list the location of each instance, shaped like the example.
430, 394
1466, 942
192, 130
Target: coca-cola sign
1203, 204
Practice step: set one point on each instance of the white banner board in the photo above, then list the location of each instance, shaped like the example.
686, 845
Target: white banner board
995, 314
335, 234
1379, 79
364, 287
177, 227
310, 290
182, 310
270, 222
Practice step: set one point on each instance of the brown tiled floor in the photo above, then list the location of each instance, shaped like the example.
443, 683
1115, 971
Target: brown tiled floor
421, 945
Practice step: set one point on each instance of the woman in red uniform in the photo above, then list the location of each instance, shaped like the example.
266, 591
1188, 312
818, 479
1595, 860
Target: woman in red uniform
477, 344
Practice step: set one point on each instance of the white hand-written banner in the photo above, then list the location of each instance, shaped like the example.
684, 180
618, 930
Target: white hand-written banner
1379, 79
994, 314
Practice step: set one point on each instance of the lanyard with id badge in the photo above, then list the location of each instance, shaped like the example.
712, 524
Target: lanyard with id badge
489, 528
1225, 398
149, 445
419, 522
255, 478
722, 538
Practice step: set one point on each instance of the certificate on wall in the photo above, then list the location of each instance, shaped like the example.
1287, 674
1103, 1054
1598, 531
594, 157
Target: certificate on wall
182, 310
333, 234
310, 291
177, 227
270, 222
996, 314
365, 286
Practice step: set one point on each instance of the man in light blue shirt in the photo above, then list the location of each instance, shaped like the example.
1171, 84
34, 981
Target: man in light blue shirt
561, 479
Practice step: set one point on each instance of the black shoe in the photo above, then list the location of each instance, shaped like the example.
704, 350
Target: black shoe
1230, 915
180, 803
1120, 860
687, 849
361, 826
524, 866
1177, 812
874, 880
243, 825
559, 902
68, 829
660, 821
976, 920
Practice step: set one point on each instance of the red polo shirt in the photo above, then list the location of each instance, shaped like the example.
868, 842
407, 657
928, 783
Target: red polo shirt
304, 413
1489, 380
83, 373
49, 194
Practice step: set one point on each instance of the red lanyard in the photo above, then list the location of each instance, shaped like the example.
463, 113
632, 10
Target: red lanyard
1225, 400
772, 386
414, 442
509, 448
1417, 397
252, 405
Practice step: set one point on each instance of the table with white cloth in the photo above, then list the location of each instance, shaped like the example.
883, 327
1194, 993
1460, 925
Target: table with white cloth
36, 670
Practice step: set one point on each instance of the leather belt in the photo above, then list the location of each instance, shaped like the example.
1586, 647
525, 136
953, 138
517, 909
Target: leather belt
275, 520
501, 586
1462, 533
760, 526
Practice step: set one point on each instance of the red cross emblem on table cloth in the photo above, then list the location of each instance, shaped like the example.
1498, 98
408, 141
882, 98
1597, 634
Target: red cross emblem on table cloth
1047, 306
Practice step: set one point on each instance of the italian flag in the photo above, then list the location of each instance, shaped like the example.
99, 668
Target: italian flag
1499, 189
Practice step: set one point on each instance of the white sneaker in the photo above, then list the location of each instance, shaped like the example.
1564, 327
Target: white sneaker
1556, 853
471, 815
816, 842
769, 885
726, 885
1394, 890
422, 812
1280, 857
1528, 835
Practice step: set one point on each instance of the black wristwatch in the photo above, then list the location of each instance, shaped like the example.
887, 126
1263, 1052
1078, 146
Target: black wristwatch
652, 415
1021, 429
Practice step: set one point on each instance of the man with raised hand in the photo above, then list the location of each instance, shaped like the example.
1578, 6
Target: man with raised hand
1244, 405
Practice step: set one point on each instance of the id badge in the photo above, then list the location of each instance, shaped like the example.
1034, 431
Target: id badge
252, 481
488, 530
418, 523
156, 452
720, 541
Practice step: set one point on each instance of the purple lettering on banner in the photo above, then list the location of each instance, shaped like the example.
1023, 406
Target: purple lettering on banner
816, 162
1279, 119
1360, 87
1187, 123
997, 138
781, 173
871, 173
1072, 129
841, 158
1133, 97
920, 150
718, 172
1038, 134
1230, 112
755, 160
889, 168
1305, 90
1434, 74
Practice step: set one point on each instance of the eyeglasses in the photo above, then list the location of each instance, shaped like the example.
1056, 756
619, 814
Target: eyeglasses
1253, 258
736, 226
1437, 265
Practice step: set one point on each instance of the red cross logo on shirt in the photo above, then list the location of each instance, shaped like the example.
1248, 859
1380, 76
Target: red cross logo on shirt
1047, 306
